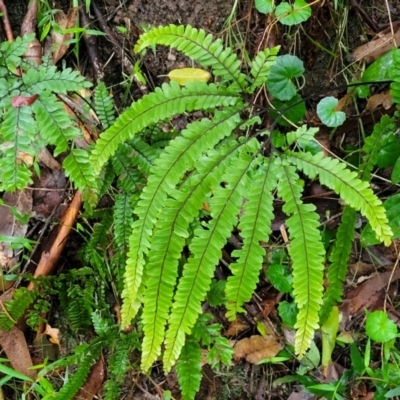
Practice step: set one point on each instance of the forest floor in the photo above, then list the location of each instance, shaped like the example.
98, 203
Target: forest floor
325, 43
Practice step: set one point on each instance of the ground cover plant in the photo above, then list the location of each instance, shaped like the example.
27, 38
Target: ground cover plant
182, 191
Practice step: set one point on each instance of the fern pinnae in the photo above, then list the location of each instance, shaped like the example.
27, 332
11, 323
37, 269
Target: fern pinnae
56, 125
373, 145
206, 249
171, 231
307, 254
19, 130
339, 259
188, 369
200, 47
164, 102
351, 189
261, 65
103, 105
254, 227
168, 170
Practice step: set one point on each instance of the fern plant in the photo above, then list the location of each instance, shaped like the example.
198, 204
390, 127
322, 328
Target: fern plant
32, 117
220, 161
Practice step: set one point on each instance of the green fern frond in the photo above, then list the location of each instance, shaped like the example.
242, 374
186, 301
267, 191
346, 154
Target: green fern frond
79, 169
75, 382
103, 105
307, 254
11, 52
49, 78
16, 308
18, 131
351, 189
339, 260
373, 145
199, 46
180, 156
395, 75
261, 65
142, 155
56, 126
171, 232
163, 103
130, 178
254, 227
157, 138
206, 251
123, 219
118, 365
188, 369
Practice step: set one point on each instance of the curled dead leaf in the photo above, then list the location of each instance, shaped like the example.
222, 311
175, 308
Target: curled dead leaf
256, 348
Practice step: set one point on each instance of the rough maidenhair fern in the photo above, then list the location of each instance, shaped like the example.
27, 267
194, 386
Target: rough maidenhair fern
32, 117
212, 165
341, 250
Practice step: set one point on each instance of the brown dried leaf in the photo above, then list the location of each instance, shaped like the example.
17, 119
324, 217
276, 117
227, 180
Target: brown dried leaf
372, 50
58, 39
93, 382
380, 99
257, 348
236, 327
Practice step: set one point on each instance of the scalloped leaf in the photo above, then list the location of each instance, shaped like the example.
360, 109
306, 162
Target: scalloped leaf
351, 189
279, 81
294, 110
199, 46
307, 254
326, 111
265, 6
293, 14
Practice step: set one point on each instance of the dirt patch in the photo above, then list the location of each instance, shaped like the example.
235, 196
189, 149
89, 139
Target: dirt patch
209, 15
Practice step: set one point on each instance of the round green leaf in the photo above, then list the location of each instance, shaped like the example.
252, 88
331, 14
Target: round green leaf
296, 109
279, 81
297, 13
380, 328
278, 276
288, 313
264, 6
327, 114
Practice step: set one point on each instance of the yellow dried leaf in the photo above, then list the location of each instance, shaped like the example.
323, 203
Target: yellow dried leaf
185, 75
54, 334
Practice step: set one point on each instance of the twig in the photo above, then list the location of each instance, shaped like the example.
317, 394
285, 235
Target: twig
91, 44
48, 260
6, 22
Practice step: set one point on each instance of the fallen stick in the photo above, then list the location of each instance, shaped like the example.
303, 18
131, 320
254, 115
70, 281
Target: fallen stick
48, 260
